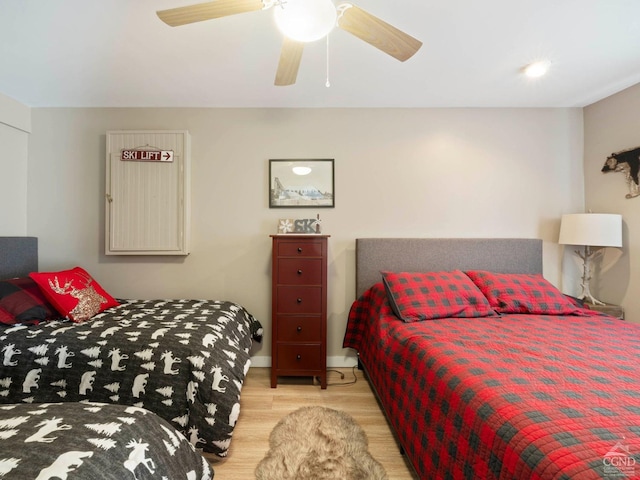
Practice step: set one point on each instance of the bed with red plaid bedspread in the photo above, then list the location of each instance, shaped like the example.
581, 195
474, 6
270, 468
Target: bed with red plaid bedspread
505, 396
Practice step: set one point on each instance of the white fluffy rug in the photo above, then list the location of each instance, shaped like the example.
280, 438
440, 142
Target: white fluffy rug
318, 443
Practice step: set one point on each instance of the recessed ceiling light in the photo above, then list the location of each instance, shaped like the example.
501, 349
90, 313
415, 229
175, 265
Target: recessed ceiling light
537, 69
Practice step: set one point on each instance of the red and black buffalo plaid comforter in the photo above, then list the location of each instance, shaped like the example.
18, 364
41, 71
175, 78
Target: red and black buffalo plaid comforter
511, 396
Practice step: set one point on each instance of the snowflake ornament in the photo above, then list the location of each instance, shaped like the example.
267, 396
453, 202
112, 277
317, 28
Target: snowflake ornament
285, 226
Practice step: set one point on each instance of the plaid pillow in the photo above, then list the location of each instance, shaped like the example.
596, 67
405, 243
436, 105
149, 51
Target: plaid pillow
21, 301
426, 296
6, 317
522, 293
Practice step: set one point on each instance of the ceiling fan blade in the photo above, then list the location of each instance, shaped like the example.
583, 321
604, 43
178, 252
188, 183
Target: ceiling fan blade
208, 10
290, 57
377, 32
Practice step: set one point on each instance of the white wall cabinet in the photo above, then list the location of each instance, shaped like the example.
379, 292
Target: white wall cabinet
147, 200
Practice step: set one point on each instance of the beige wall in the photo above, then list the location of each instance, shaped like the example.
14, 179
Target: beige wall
399, 172
611, 125
15, 123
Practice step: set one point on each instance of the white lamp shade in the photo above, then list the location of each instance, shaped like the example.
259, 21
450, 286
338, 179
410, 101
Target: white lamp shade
591, 229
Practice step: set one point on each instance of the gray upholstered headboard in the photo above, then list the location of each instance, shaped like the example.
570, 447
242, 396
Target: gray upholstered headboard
18, 256
505, 255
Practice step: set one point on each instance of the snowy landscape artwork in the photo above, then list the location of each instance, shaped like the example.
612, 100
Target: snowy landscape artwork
301, 183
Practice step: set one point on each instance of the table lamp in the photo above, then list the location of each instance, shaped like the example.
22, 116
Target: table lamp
590, 230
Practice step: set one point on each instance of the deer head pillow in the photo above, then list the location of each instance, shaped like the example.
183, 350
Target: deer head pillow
74, 293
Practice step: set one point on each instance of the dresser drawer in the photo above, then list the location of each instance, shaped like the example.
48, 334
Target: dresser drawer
299, 329
300, 248
299, 300
300, 271
299, 357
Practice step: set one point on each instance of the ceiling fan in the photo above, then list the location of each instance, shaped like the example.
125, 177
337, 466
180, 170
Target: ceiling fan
303, 21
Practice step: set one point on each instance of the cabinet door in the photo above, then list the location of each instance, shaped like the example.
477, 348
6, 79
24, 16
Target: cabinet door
147, 201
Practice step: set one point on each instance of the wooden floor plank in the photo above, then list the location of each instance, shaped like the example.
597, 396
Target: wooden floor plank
262, 407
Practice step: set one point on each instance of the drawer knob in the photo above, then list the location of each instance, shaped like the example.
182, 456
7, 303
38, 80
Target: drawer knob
299, 272
299, 329
299, 300
298, 357
299, 249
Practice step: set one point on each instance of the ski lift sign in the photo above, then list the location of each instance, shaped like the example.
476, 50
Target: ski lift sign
147, 155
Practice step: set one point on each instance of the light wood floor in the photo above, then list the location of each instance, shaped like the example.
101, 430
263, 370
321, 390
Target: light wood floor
261, 407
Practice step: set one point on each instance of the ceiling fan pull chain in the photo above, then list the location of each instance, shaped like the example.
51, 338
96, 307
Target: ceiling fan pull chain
328, 84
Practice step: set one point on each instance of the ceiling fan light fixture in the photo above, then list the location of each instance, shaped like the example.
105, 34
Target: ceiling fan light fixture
305, 20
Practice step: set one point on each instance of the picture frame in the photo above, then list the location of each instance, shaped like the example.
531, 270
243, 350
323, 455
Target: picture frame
301, 183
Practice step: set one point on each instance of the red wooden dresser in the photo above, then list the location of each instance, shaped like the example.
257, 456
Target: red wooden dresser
299, 307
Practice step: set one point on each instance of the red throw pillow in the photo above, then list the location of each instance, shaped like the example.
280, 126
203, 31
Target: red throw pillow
522, 293
21, 301
74, 293
426, 296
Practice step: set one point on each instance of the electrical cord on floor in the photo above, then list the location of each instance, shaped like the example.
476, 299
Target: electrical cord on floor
342, 384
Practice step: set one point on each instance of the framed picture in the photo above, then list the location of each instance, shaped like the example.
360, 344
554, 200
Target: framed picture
301, 184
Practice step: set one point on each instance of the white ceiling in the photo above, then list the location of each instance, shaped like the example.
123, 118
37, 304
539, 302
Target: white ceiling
117, 53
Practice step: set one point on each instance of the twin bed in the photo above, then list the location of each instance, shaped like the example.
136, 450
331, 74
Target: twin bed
486, 375
133, 392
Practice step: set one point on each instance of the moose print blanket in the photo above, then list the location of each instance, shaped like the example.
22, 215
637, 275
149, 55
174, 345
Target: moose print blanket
89, 441
184, 360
